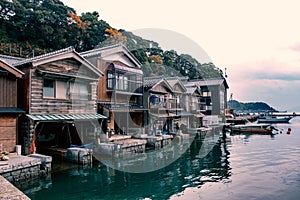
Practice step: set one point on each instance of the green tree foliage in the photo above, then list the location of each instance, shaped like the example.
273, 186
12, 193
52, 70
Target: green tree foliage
47, 25
87, 30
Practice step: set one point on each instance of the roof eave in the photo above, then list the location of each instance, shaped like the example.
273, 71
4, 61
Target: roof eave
11, 69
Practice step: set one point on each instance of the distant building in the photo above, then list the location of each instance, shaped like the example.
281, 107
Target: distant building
214, 92
163, 106
192, 104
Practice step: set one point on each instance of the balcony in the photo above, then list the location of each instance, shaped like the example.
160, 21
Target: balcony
122, 106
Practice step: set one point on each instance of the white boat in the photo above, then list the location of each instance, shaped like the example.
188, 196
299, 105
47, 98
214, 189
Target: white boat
274, 119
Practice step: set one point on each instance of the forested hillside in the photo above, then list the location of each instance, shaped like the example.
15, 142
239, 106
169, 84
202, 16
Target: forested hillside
254, 106
33, 27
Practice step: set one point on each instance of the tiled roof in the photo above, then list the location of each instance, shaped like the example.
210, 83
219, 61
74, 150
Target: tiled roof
99, 50
55, 54
10, 59
180, 78
44, 56
208, 82
151, 81
11, 69
172, 82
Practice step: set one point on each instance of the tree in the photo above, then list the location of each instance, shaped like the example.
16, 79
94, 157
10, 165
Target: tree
93, 32
114, 37
157, 59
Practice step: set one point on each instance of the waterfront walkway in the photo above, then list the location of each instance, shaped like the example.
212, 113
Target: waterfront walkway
10, 192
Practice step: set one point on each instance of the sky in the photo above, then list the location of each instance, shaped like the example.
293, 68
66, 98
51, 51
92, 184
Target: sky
257, 41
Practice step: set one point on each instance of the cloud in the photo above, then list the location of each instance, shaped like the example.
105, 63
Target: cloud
278, 76
270, 80
270, 69
295, 47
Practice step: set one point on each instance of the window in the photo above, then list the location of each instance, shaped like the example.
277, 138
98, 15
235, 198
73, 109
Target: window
80, 91
125, 83
120, 82
61, 90
110, 80
222, 102
48, 88
55, 89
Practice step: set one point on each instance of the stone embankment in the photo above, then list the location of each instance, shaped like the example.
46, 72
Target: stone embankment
20, 169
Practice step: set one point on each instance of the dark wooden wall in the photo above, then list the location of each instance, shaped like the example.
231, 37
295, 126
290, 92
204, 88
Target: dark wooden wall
8, 91
8, 133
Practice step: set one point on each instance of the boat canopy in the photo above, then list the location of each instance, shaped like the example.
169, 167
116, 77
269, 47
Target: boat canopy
63, 117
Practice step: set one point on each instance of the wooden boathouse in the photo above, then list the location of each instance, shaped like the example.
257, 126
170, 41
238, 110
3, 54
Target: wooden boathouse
9, 111
120, 90
59, 95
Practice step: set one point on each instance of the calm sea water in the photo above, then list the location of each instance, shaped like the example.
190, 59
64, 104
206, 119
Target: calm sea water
243, 167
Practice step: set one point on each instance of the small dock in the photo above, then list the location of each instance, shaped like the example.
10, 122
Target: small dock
122, 144
74, 154
119, 145
155, 142
19, 169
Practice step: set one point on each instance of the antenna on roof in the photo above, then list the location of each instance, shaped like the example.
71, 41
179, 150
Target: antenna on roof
225, 73
32, 52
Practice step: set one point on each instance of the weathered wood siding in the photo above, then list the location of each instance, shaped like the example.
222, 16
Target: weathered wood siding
8, 133
103, 94
160, 89
39, 104
23, 90
178, 89
8, 91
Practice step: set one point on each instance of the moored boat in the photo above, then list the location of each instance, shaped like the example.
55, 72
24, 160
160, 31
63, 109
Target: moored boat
274, 119
253, 128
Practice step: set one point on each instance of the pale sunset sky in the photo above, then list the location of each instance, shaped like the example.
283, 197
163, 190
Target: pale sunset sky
257, 41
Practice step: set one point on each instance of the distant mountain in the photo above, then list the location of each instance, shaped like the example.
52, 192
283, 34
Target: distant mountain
251, 106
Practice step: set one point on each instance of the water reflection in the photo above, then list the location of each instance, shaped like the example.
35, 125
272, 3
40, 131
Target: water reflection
205, 160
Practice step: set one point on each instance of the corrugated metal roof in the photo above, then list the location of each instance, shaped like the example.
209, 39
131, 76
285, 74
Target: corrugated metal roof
63, 117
